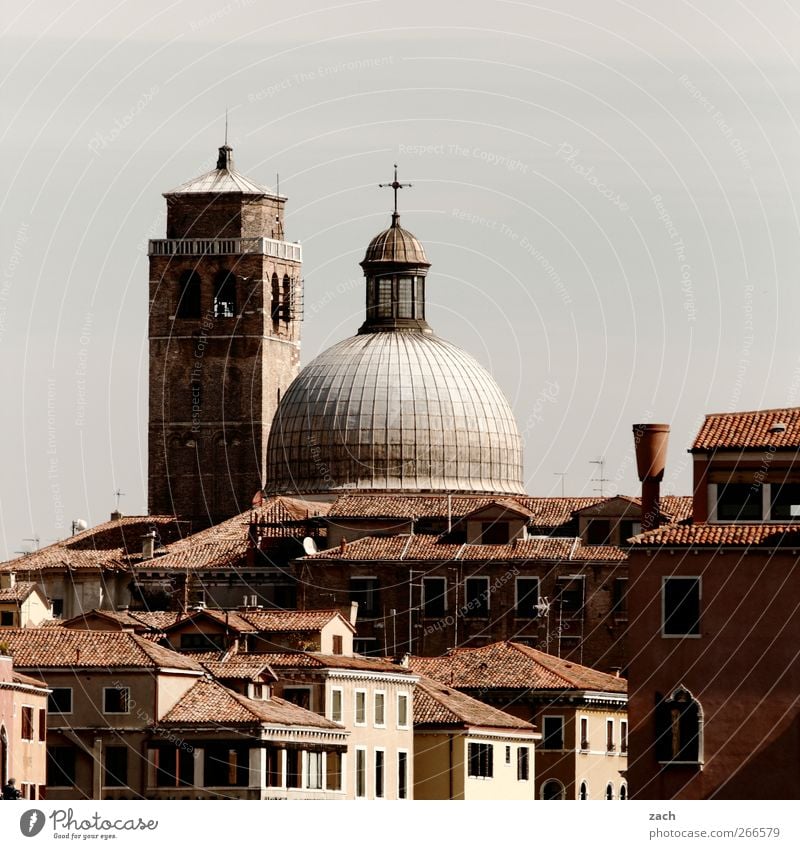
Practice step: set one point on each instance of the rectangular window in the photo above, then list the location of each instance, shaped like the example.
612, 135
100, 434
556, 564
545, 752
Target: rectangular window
60, 700
598, 532
584, 733
228, 766
627, 529
476, 594
434, 597
619, 602
338, 644
610, 746
336, 705
380, 709
494, 533
384, 298
300, 696
115, 773
116, 699
314, 778
361, 773
380, 763
785, 502
58, 607
294, 768
623, 735
481, 757
7, 618
680, 600
60, 766
527, 598
739, 502
523, 764
402, 775
508, 754
361, 707
27, 723
333, 770
553, 732
405, 297
402, 710
174, 766
42, 725
570, 594
365, 592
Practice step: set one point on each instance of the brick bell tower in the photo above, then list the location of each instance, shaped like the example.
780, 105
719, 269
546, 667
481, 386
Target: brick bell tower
225, 312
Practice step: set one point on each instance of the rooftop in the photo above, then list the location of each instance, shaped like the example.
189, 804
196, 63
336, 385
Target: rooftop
714, 535
436, 704
18, 593
778, 428
224, 179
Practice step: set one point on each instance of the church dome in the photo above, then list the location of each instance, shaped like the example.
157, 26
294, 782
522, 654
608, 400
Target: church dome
395, 245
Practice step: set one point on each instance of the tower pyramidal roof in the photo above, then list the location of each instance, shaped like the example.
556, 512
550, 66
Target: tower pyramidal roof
224, 179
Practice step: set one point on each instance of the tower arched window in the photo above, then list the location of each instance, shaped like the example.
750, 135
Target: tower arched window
225, 295
623, 791
189, 295
276, 301
286, 298
679, 728
583, 794
609, 791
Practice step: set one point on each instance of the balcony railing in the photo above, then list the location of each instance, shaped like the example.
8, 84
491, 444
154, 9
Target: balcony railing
220, 247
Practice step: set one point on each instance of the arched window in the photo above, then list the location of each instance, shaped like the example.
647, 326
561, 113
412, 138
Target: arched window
287, 298
583, 795
609, 791
679, 728
553, 790
225, 295
276, 301
189, 295
623, 791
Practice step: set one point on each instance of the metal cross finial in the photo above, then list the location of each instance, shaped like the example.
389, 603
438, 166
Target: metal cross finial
395, 185
226, 126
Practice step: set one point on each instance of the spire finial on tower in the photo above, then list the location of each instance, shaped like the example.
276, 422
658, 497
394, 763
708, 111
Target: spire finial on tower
394, 185
225, 158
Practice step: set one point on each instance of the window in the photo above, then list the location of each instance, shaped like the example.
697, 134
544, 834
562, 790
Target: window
336, 705
553, 732
402, 775
785, 502
60, 766
365, 592
598, 532
402, 710
523, 764
338, 644
739, 502
679, 729
420, 298
361, 773
623, 792
287, 298
494, 533
623, 735
42, 725
380, 762
481, 757
476, 595
680, 600
294, 768
405, 297
570, 593
58, 607
225, 296
27, 723
333, 769
174, 766
115, 773
508, 754
609, 791
610, 747
276, 301
553, 790
583, 793
434, 597
116, 699
384, 307
361, 707
527, 598
226, 765
619, 602
627, 529
314, 776
380, 709
584, 733
202, 642
7, 618
189, 295
300, 696
60, 700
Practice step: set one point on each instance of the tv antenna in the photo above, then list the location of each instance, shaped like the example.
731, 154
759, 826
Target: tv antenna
561, 475
602, 479
118, 493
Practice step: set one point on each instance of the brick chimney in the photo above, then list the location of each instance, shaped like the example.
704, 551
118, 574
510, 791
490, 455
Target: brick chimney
651, 459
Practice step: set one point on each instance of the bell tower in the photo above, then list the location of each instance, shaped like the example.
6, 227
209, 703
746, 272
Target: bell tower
224, 331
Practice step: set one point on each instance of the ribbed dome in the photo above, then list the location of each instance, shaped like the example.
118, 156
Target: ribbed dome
399, 410
395, 245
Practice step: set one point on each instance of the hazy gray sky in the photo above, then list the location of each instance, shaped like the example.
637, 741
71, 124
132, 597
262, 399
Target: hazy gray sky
606, 192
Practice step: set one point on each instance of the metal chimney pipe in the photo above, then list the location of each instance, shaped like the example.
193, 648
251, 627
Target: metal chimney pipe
651, 459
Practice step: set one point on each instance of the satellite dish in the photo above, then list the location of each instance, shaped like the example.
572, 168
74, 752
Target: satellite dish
81, 524
309, 546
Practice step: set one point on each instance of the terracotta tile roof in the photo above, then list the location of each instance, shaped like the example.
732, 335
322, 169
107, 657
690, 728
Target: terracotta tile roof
677, 507
274, 621
240, 667
317, 660
513, 666
50, 648
749, 430
142, 621
19, 678
209, 701
436, 704
718, 535
405, 547
18, 593
111, 546
231, 619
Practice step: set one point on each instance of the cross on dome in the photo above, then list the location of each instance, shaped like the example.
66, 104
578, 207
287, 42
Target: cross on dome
395, 185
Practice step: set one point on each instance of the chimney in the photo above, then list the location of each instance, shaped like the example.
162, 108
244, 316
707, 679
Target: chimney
8, 580
148, 545
651, 458
342, 545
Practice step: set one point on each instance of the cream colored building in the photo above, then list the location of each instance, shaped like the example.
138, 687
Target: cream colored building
22, 603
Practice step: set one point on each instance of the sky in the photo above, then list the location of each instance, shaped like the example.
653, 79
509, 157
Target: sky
606, 192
